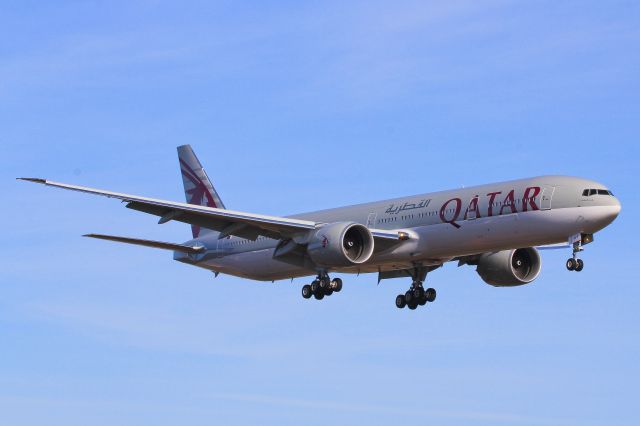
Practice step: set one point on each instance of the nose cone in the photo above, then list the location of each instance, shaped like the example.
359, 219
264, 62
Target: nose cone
609, 212
615, 211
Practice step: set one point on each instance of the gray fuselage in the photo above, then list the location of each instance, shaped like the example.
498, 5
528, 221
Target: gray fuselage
441, 226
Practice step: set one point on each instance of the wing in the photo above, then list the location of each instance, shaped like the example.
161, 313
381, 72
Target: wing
227, 222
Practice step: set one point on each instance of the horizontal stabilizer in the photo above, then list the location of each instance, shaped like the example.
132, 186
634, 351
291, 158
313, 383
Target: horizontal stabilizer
148, 243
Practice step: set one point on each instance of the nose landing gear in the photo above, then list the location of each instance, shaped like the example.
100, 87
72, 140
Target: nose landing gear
573, 263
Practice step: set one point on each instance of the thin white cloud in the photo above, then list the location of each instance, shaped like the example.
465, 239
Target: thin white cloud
362, 52
372, 409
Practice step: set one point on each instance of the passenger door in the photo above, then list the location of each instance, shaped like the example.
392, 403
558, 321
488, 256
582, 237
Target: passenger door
371, 220
545, 198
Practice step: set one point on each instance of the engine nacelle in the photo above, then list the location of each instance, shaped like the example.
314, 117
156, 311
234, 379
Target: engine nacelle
509, 268
341, 244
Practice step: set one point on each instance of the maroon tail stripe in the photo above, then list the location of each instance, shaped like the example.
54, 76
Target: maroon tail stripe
200, 188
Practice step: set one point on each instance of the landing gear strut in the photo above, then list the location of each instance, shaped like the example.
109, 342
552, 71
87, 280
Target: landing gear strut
416, 295
573, 263
322, 286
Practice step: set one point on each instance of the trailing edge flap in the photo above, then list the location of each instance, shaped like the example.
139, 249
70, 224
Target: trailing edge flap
149, 243
228, 222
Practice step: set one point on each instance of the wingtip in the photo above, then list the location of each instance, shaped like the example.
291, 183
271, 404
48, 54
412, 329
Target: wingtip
36, 180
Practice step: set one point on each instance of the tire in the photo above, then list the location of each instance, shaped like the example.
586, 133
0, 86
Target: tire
315, 286
412, 305
324, 283
328, 292
422, 301
306, 291
318, 295
408, 296
430, 294
418, 292
571, 264
580, 265
400, 301
337, 285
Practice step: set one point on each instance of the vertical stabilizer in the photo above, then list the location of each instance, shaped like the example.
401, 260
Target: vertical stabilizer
198, 189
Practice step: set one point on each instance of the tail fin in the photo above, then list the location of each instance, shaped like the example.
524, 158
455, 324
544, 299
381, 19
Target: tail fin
198, 189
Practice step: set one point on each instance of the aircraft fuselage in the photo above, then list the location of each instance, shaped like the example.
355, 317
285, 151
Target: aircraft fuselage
441, 226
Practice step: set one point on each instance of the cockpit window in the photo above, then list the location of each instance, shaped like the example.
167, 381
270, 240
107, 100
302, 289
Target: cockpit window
590, 192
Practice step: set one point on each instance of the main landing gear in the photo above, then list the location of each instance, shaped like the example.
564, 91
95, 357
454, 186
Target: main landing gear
416, 295
322, 286
573, 263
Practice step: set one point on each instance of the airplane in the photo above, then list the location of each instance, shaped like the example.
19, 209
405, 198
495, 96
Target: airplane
498, 228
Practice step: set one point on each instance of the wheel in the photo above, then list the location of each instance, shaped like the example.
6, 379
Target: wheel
328, 292
580, 265
325, 283
430, 294
412, 305
408, 296
423, 300
401, 302
336, 285
315, 285
571, 264
306, 291
318, 295
418, 292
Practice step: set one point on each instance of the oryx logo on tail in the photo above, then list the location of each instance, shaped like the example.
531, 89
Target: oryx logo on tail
198, 189
198, 194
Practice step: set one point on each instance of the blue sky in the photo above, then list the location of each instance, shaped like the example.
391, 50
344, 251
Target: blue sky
296, 106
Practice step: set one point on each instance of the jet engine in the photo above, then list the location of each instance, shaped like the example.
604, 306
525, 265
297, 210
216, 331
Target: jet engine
509, 268
341, 244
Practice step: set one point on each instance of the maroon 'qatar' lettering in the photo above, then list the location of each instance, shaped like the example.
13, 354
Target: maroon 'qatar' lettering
473, 206
509, 202
456, 213
529, 199
492, 197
